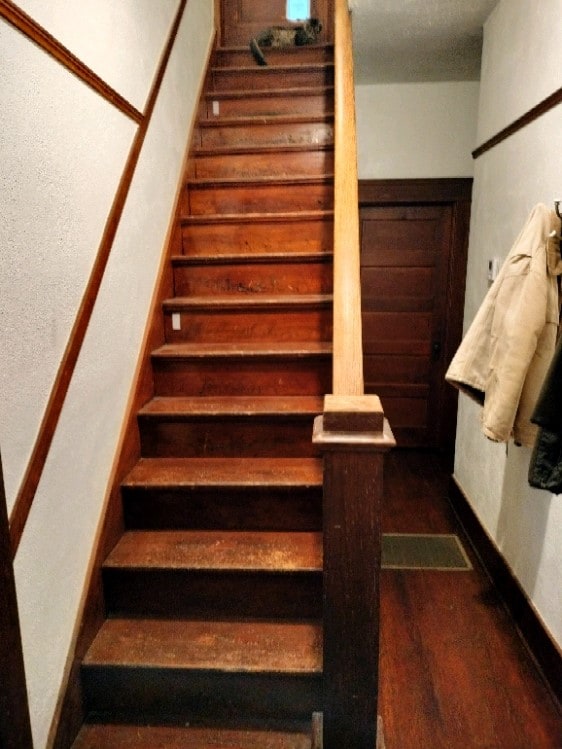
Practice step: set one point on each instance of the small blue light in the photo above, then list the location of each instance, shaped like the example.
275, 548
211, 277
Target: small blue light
298, 10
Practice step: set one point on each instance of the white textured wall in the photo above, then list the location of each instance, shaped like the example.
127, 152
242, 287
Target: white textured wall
521, 67
520, 61
63, 149
120, 41
407, 130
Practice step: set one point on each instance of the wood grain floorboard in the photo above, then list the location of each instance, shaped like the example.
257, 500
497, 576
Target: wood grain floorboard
454, 673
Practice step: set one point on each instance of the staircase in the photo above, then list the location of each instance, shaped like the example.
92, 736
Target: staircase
213, 594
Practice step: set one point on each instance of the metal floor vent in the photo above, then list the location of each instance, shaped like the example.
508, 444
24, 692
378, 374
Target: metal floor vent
423, 551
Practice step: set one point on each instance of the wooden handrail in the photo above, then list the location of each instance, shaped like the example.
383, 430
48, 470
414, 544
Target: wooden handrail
353, 436
14, 15
347, 342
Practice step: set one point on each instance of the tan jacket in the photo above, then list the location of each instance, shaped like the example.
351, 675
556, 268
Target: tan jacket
505, 354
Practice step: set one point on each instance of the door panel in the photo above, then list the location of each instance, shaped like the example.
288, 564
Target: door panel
404, 275
243, 19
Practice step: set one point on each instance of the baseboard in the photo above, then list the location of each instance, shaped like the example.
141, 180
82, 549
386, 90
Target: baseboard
541, 646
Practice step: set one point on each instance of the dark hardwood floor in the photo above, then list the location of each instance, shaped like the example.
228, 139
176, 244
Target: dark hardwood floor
454, 673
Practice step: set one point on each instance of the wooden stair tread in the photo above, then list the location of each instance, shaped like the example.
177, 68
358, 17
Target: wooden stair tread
241, 259
244, 47
218, 551
220, 472
232, 406
247, 218
115, 736
269, 119
260, 148
180, 351
277, 181
295, 67
245, 300
216, 646
269, 93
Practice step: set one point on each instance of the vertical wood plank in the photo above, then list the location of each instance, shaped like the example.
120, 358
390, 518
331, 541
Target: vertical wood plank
353, 489
15, 728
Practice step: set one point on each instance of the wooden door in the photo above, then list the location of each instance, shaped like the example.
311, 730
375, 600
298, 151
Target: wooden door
242, 19
412, 313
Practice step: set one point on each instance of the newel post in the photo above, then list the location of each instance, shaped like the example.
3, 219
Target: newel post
353, 436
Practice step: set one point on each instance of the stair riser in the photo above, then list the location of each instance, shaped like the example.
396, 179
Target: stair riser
311, 235
267, 326
220, 438
264, 106
257, 198
139, 693
193, 593
243, 57
274, 164
259, 79
267, 134
254, 278
207, 508
242, 377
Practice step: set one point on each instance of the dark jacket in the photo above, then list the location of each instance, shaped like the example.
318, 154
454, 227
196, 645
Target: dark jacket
545, 469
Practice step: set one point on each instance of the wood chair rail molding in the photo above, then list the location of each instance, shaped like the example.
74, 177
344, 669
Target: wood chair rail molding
14, 15
348, 349
530, 116
30, 482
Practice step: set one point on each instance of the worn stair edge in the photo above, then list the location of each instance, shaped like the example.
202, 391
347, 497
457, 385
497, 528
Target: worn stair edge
269, 93
260, 148
269, 119
266, 350
165, 473
256, 218
244, 47
114, 736
224, 646
304, 67
245, 302
260, 181
273, 258
245, 551
232, 406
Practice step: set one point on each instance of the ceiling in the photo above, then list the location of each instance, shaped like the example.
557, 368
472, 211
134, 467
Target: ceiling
398, 41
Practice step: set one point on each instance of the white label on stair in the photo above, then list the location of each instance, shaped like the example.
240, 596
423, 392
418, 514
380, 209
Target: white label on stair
176, 321
216, 108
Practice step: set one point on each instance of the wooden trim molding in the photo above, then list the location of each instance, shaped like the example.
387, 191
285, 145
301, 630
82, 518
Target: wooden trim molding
24, 499
544, 650
438, 190
533, 114
10, 12
15, 727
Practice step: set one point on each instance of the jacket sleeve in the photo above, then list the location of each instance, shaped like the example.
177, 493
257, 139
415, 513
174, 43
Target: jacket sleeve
516, 365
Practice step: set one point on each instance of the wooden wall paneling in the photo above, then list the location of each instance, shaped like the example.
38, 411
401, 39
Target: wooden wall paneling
414, 243
58, 393
37, 34
15, 728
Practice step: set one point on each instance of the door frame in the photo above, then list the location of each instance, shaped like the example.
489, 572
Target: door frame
455, 193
